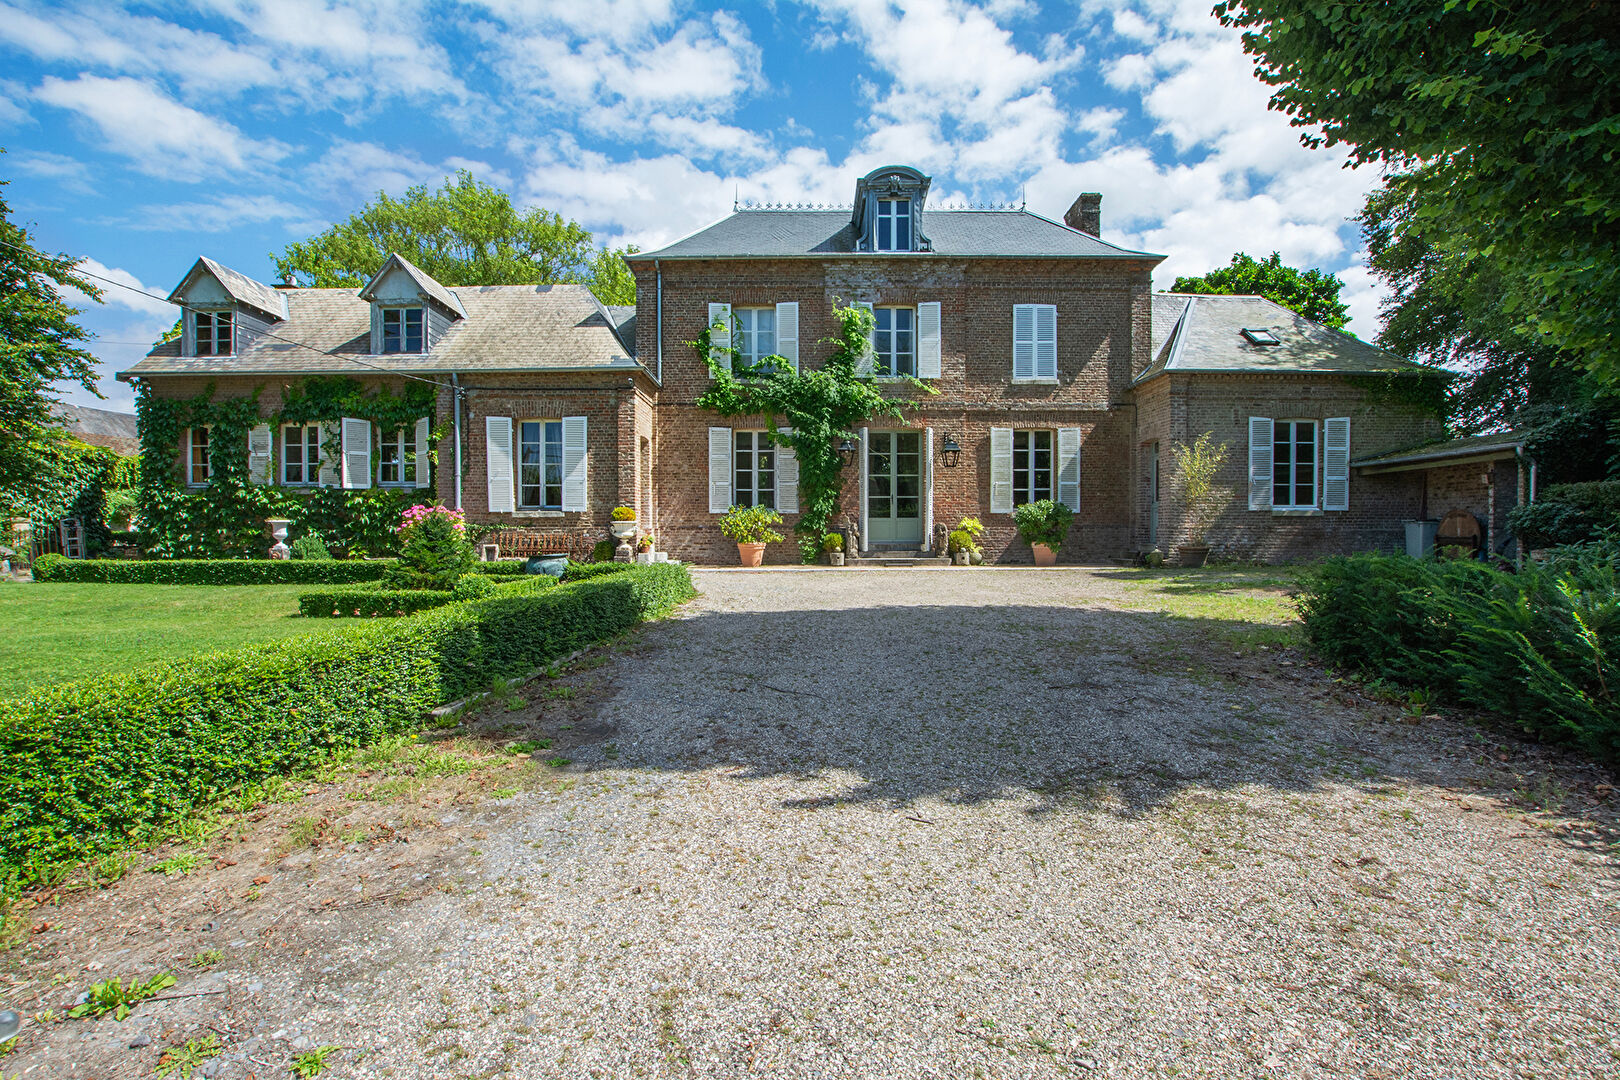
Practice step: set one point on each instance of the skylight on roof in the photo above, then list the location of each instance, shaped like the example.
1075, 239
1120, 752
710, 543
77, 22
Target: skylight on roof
1260, 337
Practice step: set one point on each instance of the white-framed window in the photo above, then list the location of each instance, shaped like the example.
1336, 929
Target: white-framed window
198, 467
894, 341
402, 330
1034, 342
211, 333
892, 230
1032, 472
396, 461
753, 469
755, 334
300, 454
540, 465
1293, 465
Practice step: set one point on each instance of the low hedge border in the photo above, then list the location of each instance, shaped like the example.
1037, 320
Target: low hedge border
57, 568
90, 765
374, 603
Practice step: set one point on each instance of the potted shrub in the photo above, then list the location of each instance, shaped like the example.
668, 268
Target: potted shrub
624, 522
644, 549
832, 546
750, 527
1198, 464
963, 542
1043, 525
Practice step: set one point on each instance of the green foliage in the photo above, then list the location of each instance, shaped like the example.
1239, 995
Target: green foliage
55, 568
310, 546
65, 478
623, 513
751, 525
1198, 465
186, 1060
832, 542
312, 1062
112, 996
473, 587
1498, 123
820, 407
1536, 647
369, 602
92, 763
38, 343
1044, 521
585, 571
1312, 293
603, 551
435, 555
966, 536
1567, 514
466, 233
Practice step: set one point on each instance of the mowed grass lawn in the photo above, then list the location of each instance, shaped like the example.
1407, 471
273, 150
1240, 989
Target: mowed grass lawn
49, 632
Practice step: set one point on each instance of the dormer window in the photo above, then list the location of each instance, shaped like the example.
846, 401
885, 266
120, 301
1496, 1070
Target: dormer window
402, 330
1260, 337
893, 226
211, 331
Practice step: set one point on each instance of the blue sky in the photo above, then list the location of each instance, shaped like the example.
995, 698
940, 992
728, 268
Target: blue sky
141, 135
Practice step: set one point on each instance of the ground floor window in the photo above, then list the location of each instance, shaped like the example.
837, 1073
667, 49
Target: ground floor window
300, 453
754, 467
396, 464
198, 469
1293, 465
1031, 466
540, 464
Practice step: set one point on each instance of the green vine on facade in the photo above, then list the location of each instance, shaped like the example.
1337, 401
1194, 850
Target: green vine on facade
817, 408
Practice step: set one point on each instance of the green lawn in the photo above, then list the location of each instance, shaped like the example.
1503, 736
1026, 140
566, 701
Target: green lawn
53, 632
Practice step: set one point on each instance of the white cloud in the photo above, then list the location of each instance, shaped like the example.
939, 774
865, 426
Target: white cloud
136, 296
217, 215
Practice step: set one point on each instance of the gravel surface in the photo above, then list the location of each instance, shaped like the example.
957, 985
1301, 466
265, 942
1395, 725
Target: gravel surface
890, 823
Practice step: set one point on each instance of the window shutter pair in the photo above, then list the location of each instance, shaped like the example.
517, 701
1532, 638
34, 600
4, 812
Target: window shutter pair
1335, 462
500, 464
787, 332
1034, 341
720, 472
259, 447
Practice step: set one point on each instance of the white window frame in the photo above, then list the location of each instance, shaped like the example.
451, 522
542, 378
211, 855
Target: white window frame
215, 319
396, 450
882, 358
402, 335
745, 466
1316, 463
745, 335
191, 456
546, 426
308, 443
887, 216
1029, 492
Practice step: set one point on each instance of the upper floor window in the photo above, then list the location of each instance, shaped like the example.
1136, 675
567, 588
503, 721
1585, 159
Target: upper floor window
894, 341
755, 334
540, 465
396, 463
300, 454
892, 230
1034, 341
402, 330
1293, 465
212, 333
198, 468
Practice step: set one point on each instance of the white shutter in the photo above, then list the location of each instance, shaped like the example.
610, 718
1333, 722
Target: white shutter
1261, 433
928, 340
259, 444
867, 362
719, 470
1068, 467
720, 339
1336, 463
188, 332
376, 330
787, 477
498, 463
787, 332
424, 429
866, 519
330, 474
356, 453
1045, 341
574, 490
1001, 490
1023, 346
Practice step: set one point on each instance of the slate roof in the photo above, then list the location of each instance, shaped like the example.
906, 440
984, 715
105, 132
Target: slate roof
1448, 451
1202, 333
814, 233
624, 319
100, 427
242, 289
429, 287
507, 328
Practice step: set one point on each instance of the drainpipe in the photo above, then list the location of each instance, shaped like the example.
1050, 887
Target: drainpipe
659, 274
455, 392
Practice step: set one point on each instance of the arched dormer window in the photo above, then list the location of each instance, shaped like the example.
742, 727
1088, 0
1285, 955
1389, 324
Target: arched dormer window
888, 210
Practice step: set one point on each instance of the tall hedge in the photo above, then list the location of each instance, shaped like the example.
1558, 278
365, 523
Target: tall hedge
89, 764
1567, 514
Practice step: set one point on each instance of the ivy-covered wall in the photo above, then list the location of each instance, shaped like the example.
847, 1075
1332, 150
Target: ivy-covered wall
68, 478
226, 518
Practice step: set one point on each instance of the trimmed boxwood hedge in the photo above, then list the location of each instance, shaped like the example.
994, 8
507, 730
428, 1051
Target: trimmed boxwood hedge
369, 603
90, 764
57, 568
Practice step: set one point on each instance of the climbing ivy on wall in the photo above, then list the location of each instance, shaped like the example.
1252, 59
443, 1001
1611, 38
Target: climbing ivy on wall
67, 478
820, 407
226, 518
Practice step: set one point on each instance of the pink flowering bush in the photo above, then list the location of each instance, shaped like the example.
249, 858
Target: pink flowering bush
416, 514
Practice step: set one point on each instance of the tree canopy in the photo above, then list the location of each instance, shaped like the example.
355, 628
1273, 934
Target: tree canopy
38, 342
1497, 121
465, 233
1312, 293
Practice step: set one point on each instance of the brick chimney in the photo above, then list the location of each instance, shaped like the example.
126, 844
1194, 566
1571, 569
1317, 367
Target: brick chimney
1086, 214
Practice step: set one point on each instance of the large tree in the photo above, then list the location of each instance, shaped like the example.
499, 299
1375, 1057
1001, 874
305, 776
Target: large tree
38, 343
465, 233
1496, 119
1312, 293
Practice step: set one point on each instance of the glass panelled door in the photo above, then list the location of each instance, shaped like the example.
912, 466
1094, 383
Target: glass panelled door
894, 487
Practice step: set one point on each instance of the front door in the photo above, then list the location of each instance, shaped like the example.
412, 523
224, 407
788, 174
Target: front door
894, 487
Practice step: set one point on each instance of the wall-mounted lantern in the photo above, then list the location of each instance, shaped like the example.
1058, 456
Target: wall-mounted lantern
950, 454
846, 450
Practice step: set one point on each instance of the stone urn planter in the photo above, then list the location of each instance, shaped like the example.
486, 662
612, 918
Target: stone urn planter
1044, 556
622, 530
278, 532
1192, 554
835, 558
750, 554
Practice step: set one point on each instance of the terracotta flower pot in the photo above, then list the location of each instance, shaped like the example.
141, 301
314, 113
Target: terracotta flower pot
1192, 554
1044, 556
750, 554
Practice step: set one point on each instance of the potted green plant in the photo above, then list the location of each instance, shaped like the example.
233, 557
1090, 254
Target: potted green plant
1043, 525
750, 527
963, 542
644, 549
832, 546
1199, 465
623, 525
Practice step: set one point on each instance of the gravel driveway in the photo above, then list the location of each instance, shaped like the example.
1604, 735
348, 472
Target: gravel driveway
948, 824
